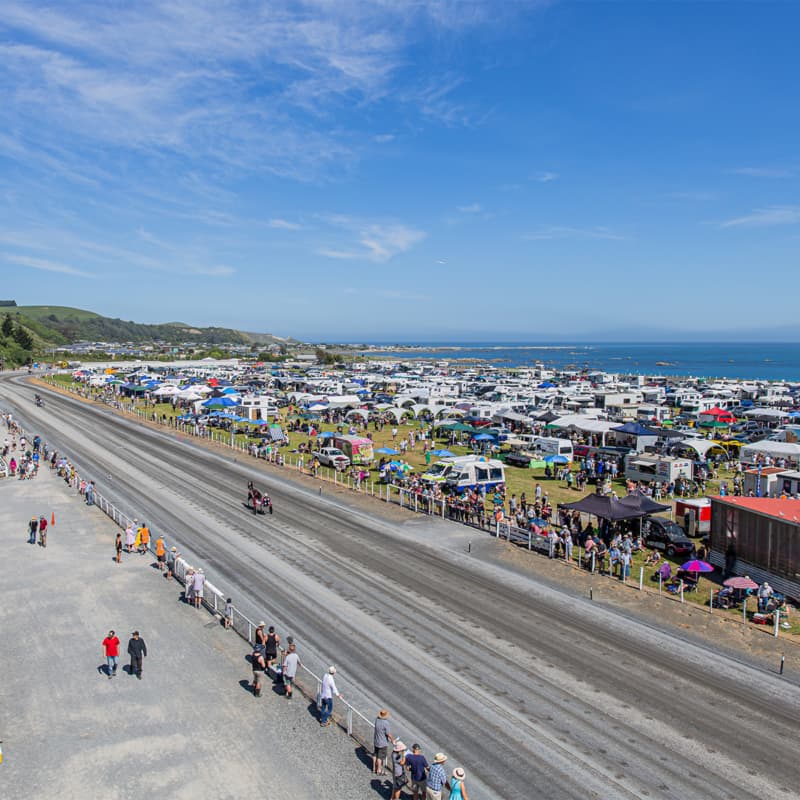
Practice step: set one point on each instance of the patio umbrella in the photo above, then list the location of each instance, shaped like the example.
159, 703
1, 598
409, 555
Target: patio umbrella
696, 565
483, 437
556, 460
741, 582
325, 435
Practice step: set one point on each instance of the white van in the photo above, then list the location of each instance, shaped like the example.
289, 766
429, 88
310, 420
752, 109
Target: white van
553, 446
466, 472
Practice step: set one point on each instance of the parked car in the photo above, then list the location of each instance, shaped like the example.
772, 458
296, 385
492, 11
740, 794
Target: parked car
664, 534
332, 457
516, 459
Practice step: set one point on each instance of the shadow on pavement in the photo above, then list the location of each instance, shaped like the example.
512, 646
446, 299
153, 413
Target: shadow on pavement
382, 787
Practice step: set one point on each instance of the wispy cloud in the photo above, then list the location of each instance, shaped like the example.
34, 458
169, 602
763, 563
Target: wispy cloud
473, 208
568, 232
45, 265
284, 224
762, 172
545, 177
374, 241
766, 217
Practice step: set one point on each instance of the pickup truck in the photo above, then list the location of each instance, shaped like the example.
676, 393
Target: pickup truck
331, 457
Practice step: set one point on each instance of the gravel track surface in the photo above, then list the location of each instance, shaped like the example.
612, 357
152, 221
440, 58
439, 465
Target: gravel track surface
536, 692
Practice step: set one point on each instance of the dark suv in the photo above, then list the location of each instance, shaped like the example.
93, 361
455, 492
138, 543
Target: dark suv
666, 535
517, 459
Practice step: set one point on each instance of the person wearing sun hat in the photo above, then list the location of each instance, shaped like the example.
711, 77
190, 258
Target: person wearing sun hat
399, 779
458, 789
437, 778
381, 741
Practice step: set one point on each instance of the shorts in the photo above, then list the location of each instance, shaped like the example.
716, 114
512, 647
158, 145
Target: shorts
380, 752
161, 559
419, 786
288, 680
399, 781
258, 674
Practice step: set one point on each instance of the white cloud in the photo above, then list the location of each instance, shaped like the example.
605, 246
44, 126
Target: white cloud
762, 172
45, 265
374, 241
239, 85
284, 224
568, 232
545, 177
383, 138
766, 217
474, 208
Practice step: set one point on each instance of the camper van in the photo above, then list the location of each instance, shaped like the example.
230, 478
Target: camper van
552, 446
466, 472
358, 449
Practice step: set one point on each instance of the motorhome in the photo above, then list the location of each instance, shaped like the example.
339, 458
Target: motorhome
466, 472
553, 446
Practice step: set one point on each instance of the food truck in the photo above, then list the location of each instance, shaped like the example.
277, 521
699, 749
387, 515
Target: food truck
357, 448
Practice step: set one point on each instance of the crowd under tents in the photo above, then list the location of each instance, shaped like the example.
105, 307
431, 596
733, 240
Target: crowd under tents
610, 508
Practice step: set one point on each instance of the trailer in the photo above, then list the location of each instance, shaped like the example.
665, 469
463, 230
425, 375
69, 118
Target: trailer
695, 515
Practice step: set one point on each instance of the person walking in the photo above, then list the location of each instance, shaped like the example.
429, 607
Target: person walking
42, 531
437, 778
326, 694
290, 664
137, 650
418, 767
173, 557
33, 529
381, 739
118, 548
111, 652
161, 553
458, 789
399, 779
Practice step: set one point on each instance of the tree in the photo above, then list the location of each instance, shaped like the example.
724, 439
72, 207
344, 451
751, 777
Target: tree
23, 338
8, 326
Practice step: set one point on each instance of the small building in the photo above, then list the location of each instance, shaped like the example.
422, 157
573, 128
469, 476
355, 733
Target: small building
645, 467
763, 483
759, 537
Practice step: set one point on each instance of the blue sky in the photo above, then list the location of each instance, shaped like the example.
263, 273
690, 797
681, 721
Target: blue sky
420, 170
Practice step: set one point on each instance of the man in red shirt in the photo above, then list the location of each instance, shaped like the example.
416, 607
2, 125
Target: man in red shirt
111, 652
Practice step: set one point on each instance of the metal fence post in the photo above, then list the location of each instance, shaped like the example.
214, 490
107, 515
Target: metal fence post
349, 721
641, 578
744, 610
530, 536
777, 616
711, 601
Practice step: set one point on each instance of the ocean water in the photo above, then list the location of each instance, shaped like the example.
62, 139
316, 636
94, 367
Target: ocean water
762, 361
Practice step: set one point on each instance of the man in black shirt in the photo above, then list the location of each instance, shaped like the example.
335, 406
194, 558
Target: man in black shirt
137, 650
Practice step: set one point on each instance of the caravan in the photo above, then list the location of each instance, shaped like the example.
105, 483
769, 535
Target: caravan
552, 446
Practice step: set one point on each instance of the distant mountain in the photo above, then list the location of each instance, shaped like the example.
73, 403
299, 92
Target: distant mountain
61, 325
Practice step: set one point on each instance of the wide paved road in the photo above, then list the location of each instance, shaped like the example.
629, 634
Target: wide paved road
538, 693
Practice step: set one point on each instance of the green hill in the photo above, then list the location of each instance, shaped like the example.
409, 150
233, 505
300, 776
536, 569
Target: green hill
58, 325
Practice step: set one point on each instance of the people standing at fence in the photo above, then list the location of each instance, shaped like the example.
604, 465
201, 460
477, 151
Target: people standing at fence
171, 559
227, 618
118, 548
161, 553
261, 636
137, 650
111, 652
33, 529
130, 537
326, 694
417, 767
143, 537
399, 779
290, 664
382, 737
259, 664
198, 584
458, 789
271, 647
437, 778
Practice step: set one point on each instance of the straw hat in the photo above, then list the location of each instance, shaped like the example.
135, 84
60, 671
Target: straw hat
383, 713
439, 758
459, 773
399, 747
